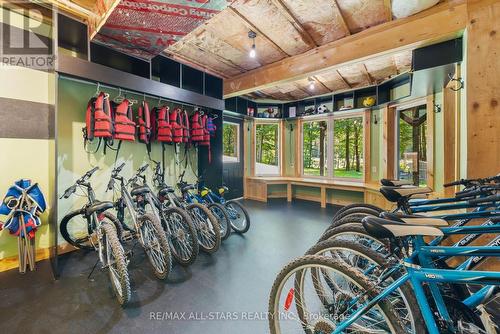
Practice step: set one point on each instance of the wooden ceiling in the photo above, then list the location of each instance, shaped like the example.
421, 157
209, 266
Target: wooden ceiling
287, 28
362, 74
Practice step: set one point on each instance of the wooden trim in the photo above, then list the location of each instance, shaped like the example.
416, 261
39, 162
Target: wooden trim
430, 141
298, 149
288, 192
367, 145
342, 18
449, 136
389, 142
282, 150
458, 122
253, 147
441, 22
323, 197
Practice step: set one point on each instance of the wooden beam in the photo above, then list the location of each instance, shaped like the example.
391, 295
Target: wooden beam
449, 133
389, 142
343, 79
367, 74
102, 10
441, 22
283, 9
341, 15
430, 141
483, 101
255, 29
388, 9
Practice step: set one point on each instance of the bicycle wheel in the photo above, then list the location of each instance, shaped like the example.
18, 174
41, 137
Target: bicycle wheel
294, 305
222, 218
207, 227
356, 206
112, 252
369, 263
183, 238
155, 245
238, 215
76, 231
355, 212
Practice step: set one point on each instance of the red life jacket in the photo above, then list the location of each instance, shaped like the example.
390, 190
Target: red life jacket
206, 131
124, 124
196, 128
144, 121
163, 126
176, 124
185, 127
98, 118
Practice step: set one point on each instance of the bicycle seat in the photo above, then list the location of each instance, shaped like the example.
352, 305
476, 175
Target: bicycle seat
139, 190
395, 194
395, 183
382, 229
187, 187
99, 207
165, 191
414, 219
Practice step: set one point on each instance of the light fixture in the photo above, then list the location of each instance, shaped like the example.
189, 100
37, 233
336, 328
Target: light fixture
252, 35
312, 84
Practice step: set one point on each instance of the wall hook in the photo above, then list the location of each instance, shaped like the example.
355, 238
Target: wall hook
375, 120
437, 109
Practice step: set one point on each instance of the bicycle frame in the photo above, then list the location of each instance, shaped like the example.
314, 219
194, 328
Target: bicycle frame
418, 275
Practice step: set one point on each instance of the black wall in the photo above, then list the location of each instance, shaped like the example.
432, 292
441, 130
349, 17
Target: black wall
212, 171
233, 172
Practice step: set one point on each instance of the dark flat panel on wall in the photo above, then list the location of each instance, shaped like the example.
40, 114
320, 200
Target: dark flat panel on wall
242, 106
108, 57
212, 171
72, 35
192, 79
438, 54
26, 119
90, 71
231, 104
167, 70
213, 86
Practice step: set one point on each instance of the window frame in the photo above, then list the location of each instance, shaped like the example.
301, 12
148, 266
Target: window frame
279, 123
330, 120
238, 142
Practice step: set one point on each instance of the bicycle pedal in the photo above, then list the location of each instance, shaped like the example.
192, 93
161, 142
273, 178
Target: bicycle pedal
127, 236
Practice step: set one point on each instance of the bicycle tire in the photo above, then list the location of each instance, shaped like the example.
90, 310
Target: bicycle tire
63, 228
355, 218
222, 219
161, 237
110, 238
189, 232
406, 289
323, 261
205, 233
355, 212
239, 229
357, 205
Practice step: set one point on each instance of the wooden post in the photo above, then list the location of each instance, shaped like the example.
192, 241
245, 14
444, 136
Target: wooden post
389, 142
323, 197
430, 141
289, 192
483, 87
450, 140
367, 146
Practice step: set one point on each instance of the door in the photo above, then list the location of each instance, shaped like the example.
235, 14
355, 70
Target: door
232, 156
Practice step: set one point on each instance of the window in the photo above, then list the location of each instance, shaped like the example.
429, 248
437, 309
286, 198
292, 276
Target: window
230, 142
348, 148
267, 149
412, 138
314, 145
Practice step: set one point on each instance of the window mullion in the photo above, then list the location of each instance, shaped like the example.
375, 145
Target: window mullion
330, 153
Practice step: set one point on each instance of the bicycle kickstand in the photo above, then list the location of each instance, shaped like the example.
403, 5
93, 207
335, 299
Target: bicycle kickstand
93, 268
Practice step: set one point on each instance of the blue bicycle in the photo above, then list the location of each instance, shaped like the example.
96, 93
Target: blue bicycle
343, 299
236, 212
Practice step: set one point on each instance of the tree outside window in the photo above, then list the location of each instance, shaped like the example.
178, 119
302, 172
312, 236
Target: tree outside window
230, 142
266, 149
314, 144
412, 159
348, 148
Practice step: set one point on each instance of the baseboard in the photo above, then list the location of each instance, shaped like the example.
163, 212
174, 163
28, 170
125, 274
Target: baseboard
12, 262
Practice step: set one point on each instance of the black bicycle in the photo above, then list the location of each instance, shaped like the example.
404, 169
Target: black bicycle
180, 230
92, 227
146, 228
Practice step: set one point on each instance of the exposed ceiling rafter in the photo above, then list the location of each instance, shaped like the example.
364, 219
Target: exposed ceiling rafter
285, 11
342, 19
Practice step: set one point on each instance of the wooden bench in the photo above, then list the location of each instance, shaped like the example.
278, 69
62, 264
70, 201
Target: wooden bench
256, 188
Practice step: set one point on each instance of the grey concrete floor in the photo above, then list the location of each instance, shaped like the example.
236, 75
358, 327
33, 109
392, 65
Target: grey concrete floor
232, 285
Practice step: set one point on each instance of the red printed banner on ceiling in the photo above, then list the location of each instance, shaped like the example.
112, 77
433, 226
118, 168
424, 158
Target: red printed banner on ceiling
145, 28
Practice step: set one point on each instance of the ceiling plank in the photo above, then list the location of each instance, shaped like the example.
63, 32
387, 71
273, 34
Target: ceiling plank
438, 23
343, 79
255, 29
321, 83
285, 11
102, 11
342, 18
195, 64
366, 73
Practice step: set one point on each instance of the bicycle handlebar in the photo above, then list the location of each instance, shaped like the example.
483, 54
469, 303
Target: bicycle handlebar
68, 192
469, 182
492, 198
